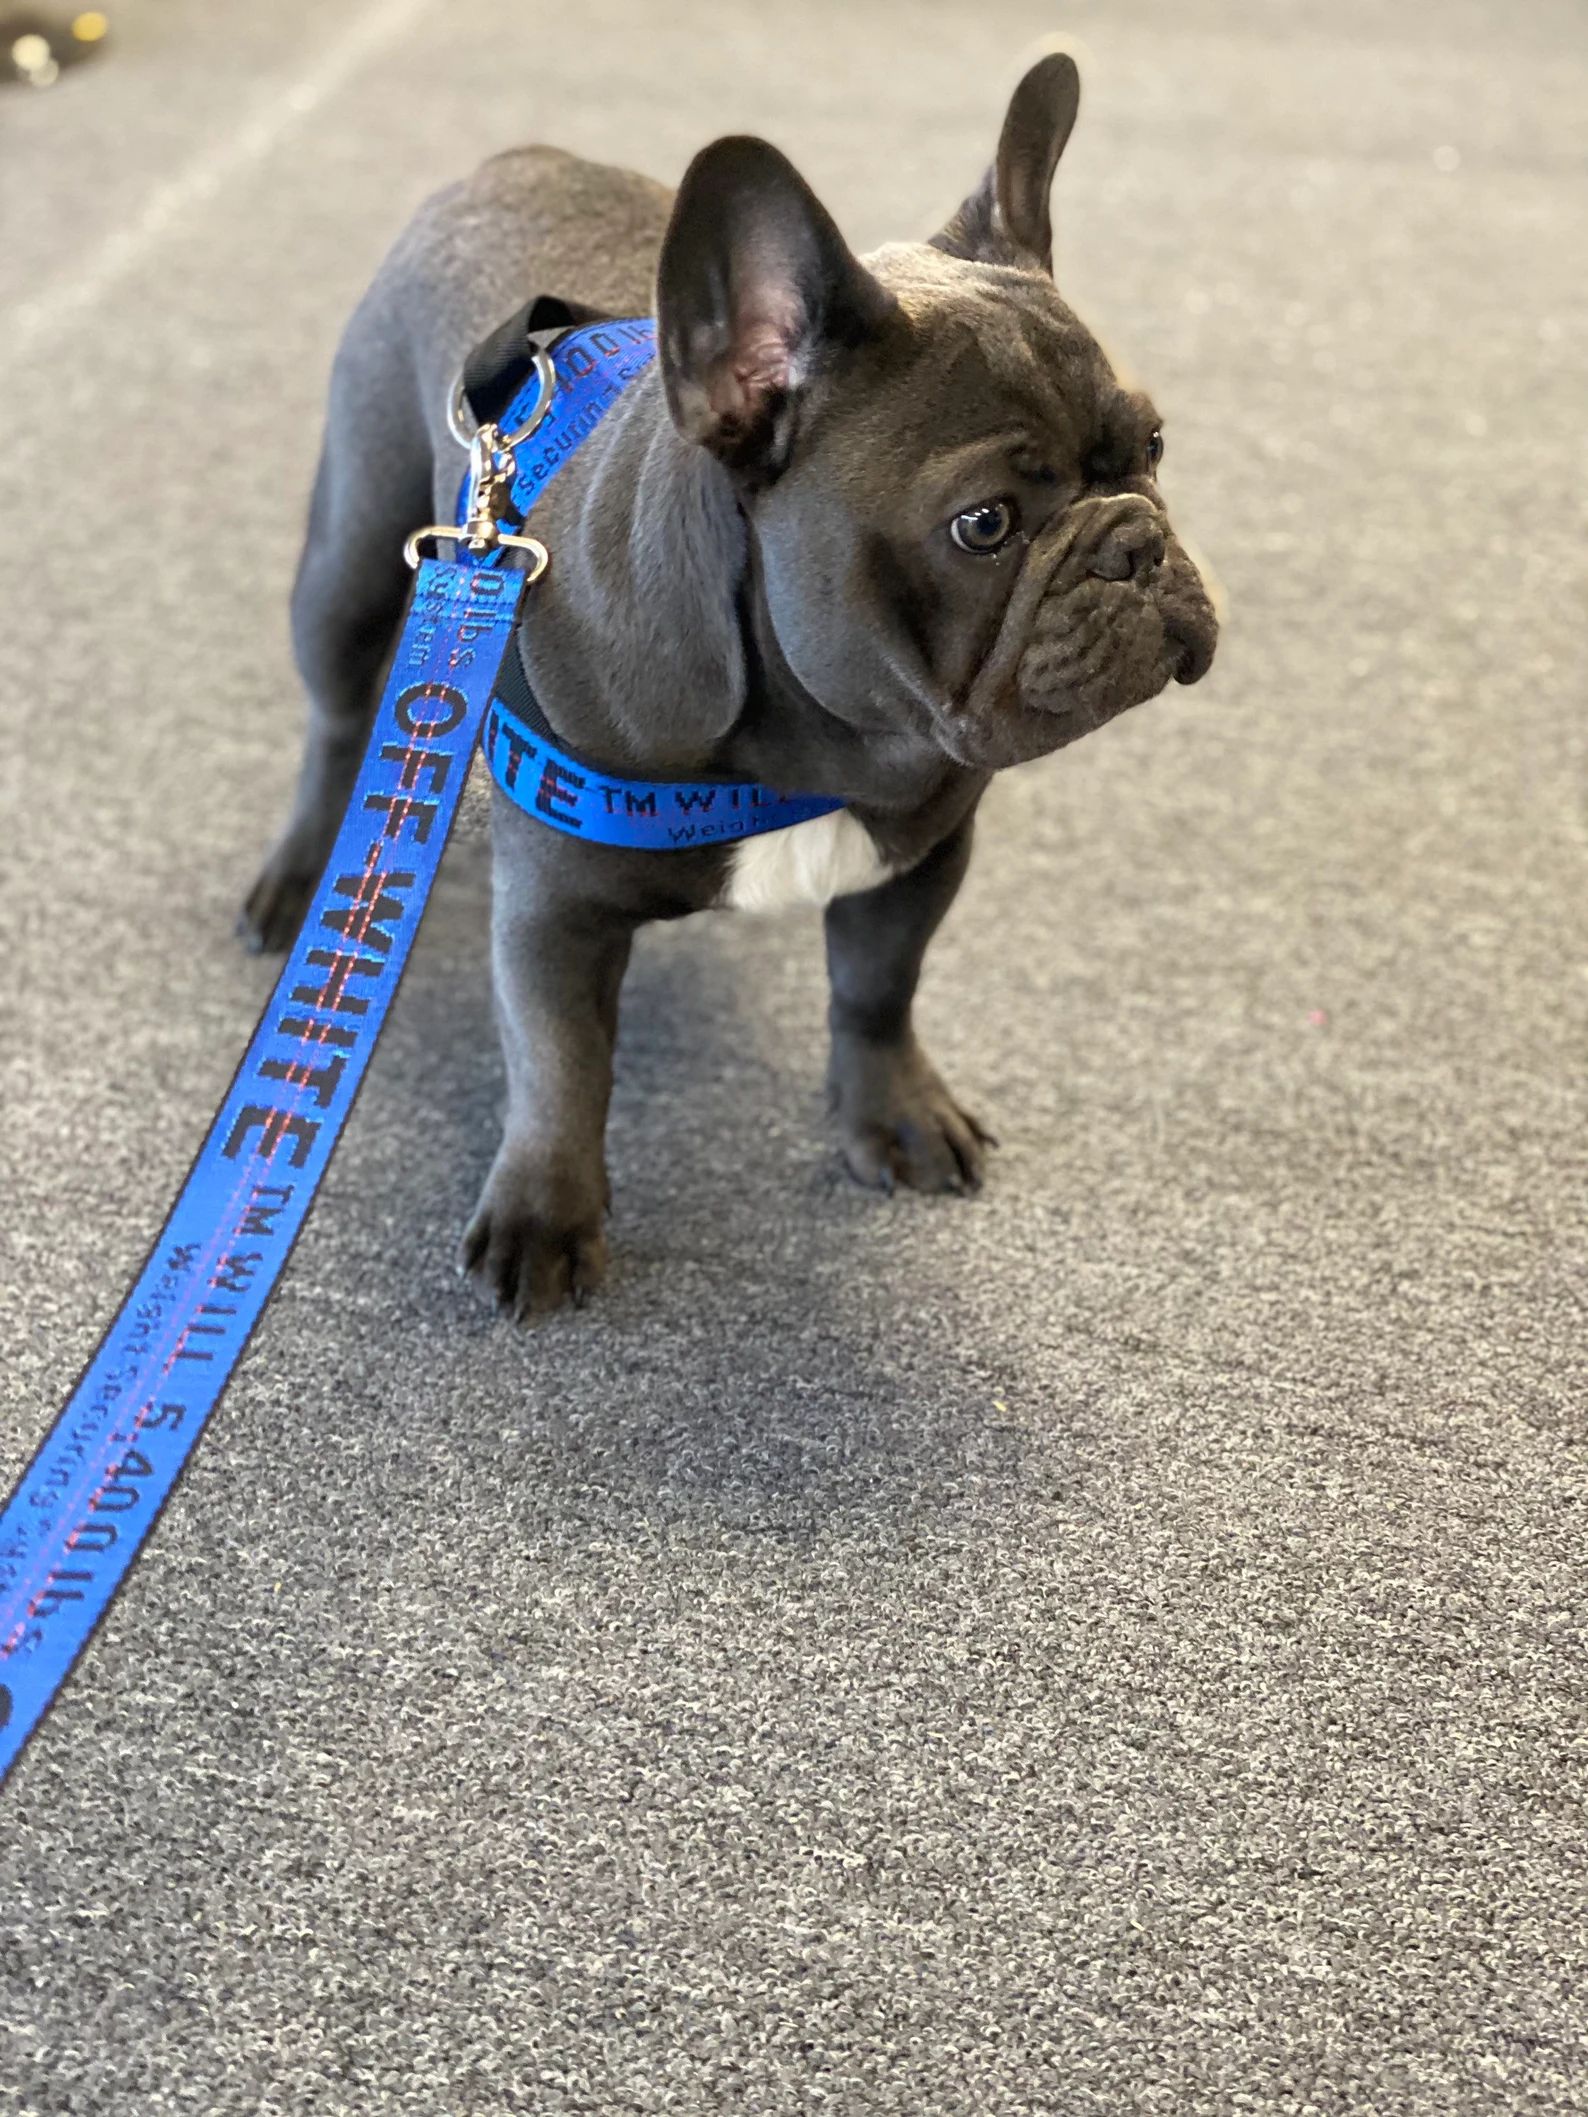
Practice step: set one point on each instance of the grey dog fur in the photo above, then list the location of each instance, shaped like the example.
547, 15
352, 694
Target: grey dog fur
754, 574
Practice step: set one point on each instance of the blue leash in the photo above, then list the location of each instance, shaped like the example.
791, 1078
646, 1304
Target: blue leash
80, 1511
84, 1505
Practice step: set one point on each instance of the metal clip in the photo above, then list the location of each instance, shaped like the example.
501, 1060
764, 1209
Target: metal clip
492, 469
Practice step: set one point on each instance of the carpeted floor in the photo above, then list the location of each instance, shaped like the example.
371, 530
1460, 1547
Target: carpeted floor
1116, 1645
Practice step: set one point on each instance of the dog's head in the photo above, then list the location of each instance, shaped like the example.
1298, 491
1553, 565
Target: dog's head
954, 501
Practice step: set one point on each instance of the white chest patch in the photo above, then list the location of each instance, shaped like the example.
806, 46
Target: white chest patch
810, 863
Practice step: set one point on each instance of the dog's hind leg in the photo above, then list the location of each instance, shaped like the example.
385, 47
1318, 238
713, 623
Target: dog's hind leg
371, 490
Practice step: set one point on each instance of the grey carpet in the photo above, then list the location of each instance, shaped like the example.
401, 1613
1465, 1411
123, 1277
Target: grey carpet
1113, 1646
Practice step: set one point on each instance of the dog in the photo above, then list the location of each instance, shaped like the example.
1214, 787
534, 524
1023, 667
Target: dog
872, 528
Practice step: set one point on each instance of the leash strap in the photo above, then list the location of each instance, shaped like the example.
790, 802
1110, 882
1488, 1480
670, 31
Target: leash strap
84, 1505
81, 1509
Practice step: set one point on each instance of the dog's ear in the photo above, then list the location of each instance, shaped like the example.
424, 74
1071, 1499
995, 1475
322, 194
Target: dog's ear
756, 292
1006, 221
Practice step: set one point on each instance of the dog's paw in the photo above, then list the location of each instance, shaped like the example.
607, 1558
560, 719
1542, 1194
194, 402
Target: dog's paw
898, 1123
273, 909
535, 1243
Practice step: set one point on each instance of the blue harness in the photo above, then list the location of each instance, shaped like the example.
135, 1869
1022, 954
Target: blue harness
81, 1509
532, 770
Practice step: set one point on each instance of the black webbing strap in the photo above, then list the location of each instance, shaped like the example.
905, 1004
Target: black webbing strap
500, 365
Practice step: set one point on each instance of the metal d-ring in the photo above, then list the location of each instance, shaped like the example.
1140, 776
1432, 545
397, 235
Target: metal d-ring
458, 407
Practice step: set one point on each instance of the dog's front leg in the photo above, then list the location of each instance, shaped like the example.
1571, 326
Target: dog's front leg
897, 1121
536, 1239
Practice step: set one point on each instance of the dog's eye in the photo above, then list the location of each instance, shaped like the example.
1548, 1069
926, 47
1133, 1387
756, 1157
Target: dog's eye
1154, 449
985, 529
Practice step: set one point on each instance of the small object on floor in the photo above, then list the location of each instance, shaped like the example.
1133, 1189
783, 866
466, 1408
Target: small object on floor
35, 44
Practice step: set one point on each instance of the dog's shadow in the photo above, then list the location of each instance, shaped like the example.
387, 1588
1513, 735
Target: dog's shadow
765, 1348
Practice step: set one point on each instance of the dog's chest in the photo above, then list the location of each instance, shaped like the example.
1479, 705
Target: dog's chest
809, 863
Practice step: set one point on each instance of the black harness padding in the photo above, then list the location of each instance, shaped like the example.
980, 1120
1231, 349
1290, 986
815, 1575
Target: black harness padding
516, 692
500, 365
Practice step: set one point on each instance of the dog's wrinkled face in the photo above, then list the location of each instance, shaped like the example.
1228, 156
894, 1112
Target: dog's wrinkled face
954, 501
982, 488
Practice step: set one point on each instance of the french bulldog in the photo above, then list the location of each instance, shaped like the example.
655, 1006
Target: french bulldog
868, 527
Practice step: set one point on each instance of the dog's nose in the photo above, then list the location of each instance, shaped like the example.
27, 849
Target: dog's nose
1194, 645
1134, 547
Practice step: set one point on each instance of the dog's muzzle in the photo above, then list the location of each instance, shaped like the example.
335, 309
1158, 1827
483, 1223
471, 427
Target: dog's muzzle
1108, 610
